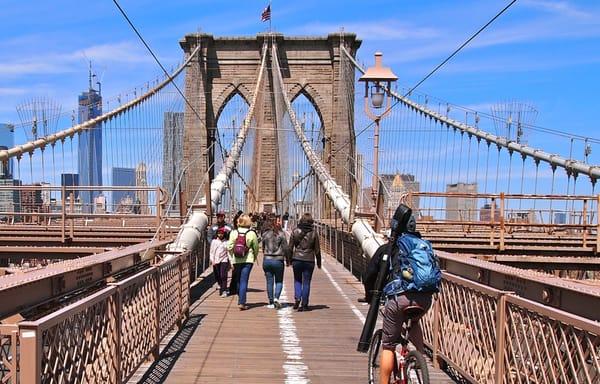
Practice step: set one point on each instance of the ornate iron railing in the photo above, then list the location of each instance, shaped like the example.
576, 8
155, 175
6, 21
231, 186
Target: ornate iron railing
106, 336
493, 336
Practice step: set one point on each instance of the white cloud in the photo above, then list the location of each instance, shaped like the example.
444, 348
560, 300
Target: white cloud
121, 52
560, 7
12, 91
380, 30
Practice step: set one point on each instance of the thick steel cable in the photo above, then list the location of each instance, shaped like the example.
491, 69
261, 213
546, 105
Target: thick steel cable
52, 138
570, 165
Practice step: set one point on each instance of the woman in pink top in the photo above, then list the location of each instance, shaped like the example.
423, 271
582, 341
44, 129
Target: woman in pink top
220, 260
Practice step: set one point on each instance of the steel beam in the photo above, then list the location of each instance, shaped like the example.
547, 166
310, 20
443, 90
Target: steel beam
21, 291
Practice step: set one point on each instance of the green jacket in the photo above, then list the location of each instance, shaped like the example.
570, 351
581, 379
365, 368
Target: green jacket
251, 242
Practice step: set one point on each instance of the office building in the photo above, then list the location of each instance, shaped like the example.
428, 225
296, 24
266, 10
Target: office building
400, 187
69, 181
141, 199
7, 140
461, 207
89, 164
122, 177
172, 151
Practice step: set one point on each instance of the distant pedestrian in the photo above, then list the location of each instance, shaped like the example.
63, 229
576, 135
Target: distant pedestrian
220, 260
243, 250
275, 249
286, 219
220, 223
305, 251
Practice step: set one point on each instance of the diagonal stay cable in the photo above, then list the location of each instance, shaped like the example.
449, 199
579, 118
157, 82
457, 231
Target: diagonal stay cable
430, 73
189, 104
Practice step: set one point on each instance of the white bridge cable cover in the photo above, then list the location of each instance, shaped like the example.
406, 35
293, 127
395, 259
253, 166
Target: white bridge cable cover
361, 229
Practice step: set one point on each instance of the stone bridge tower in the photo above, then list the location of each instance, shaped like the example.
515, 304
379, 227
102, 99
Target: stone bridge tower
226, 66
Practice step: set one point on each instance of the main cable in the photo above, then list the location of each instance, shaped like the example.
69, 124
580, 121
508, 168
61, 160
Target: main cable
164, 70
432, 71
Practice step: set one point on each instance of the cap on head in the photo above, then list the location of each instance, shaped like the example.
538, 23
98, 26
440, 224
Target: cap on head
221, 231
220, 214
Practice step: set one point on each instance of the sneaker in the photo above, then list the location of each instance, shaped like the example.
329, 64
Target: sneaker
271, 306
224, 294
243, 307
277, 304
303, 308
296, 304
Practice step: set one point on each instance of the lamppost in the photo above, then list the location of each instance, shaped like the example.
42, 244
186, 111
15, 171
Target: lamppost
380, 80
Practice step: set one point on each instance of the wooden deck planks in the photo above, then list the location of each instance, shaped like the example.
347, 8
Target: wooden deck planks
227, 345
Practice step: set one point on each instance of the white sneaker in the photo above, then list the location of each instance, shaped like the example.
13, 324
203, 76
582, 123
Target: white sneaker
224, 294
277, 304
271, 306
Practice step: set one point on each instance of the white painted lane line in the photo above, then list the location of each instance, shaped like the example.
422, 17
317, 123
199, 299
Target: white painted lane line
358, 313
293, 368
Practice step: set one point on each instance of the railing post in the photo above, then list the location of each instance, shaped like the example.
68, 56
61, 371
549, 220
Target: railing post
584, 222
500, 339
502, 222
63, 213
436, 332
598, 223
158, 210
72, 211
492, 220
118, 313
156, 348
30, 355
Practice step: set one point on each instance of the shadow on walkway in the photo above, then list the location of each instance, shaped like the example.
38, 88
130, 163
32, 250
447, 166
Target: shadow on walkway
158, 372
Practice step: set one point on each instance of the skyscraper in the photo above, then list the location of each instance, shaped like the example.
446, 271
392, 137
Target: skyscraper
90, 145
172, 150
461, 208
7, 140
141, 198
122, 177
70, 180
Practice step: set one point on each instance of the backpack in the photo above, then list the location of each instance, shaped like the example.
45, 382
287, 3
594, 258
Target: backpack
414, 267
240, 248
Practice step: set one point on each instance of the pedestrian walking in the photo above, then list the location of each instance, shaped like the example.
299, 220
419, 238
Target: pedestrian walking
275, 249
219, 259
305, 252
243, 250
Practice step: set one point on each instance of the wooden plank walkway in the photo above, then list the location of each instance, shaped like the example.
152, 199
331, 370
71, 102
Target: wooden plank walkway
221, 344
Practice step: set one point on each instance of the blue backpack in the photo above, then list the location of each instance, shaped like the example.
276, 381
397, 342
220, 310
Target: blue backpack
414, 267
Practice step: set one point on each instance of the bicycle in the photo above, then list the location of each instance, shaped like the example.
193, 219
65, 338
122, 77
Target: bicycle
409, 365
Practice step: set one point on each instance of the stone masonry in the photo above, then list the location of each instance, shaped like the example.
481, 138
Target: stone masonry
226, 66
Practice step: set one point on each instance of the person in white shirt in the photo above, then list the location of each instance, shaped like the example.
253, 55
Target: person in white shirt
220, 260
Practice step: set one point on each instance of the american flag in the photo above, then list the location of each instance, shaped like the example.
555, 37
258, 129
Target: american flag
266, 14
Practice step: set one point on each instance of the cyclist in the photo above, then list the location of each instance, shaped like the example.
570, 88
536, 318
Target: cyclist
400, 292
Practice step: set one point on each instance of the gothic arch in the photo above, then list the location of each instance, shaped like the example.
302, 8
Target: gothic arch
227, 94
313, 96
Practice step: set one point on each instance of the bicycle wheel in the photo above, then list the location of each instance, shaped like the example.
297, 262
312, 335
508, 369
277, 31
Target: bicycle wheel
374, 356
415, 368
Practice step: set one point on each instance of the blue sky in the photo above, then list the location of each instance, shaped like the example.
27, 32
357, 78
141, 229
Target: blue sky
542, 52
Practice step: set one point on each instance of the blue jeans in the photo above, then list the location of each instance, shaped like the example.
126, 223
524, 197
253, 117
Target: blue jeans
273, 271
245, 269
303, 271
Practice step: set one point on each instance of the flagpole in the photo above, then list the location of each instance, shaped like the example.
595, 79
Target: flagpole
271, 12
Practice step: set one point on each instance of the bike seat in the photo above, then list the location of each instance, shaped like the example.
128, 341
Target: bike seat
412, 312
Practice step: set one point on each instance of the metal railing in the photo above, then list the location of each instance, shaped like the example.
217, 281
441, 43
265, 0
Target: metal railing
489, 335
500, 220
106, 336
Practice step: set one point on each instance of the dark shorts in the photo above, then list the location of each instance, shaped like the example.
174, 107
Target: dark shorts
393, 315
